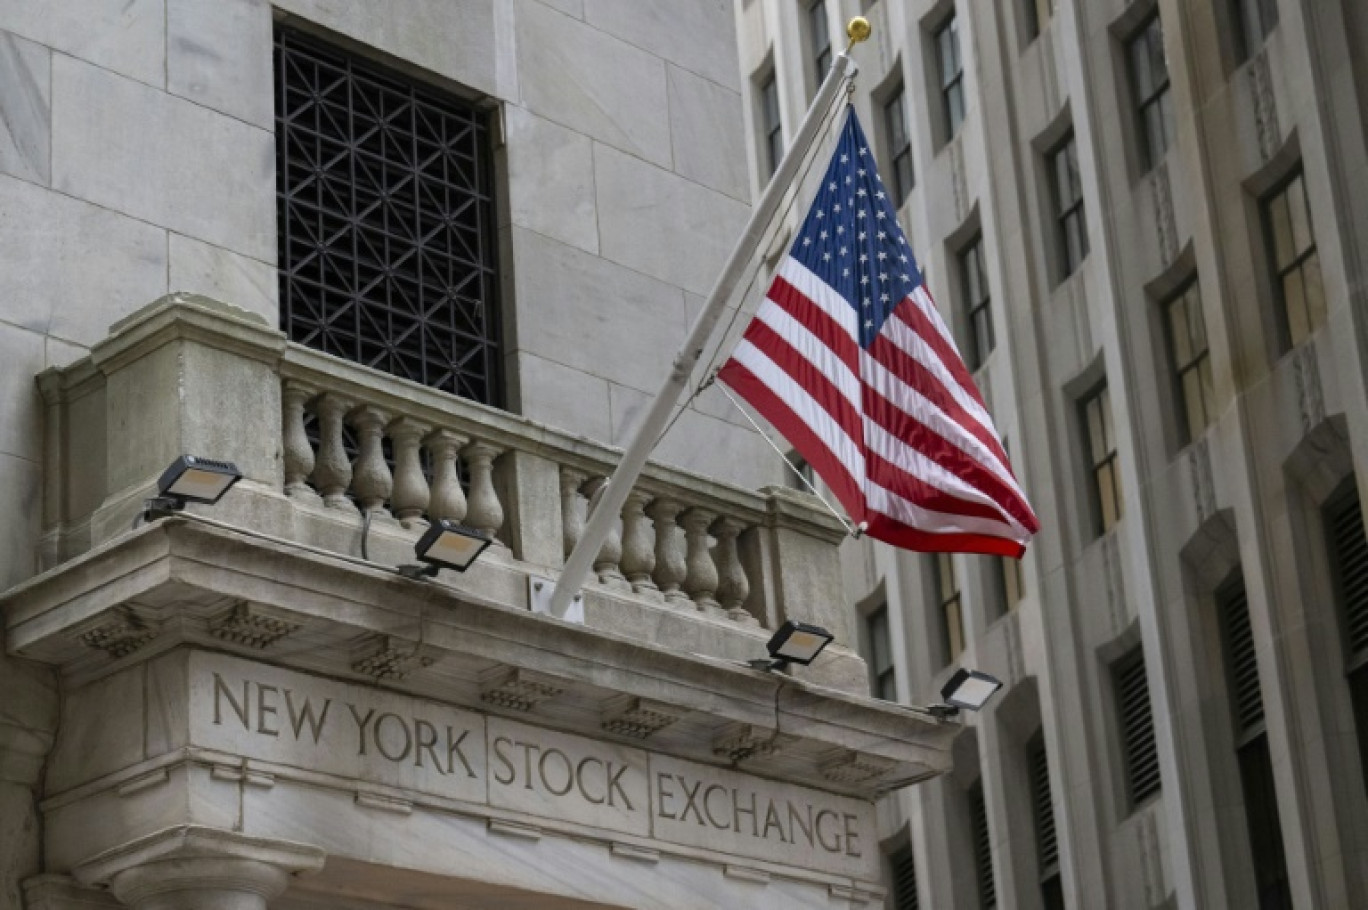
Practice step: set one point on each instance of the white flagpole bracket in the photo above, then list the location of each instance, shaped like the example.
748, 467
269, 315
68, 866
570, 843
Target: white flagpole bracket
647, 431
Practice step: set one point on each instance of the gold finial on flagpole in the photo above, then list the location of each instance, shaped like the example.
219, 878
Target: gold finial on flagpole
857, 30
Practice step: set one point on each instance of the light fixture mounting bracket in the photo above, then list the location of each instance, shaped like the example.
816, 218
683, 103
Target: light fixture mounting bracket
539, 600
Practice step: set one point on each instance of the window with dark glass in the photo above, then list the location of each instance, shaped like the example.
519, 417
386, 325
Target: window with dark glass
771, 126
1296, 266
1038, 13
899, 144
1047, 842
1251, 747
819, 33
980, 315
903, 870
1101, 443
951, 74
1008, 580
385, 211
883, 675
1349, 564
1136, 724
1187, 339
1254, 22
1150, 82
952, 614
1067, 188
799, 474
983, 847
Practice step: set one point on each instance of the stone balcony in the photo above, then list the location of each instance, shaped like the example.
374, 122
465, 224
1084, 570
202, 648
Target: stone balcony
353, 461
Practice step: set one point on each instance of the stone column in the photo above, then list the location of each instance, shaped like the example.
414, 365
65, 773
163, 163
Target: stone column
28, 721
638, 553
189, 867
297, 450
409, 498
670, 568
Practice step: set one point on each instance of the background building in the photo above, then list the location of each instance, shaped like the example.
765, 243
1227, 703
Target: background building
397, 260
1146, 222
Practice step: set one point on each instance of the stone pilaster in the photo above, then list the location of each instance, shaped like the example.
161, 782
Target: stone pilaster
189, 867
28, 717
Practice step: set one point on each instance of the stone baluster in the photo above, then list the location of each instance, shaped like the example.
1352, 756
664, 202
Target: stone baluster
485, 513
448, 500
572, 517
732, 587
700, 580
298, 451
410, 497
638, 555
371, 479
332, 472
606, 563
670, 568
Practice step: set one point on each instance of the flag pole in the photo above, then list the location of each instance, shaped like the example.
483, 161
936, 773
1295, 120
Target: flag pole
647, 432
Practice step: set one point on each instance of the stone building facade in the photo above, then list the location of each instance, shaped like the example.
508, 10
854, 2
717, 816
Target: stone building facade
1145, 221
398, 262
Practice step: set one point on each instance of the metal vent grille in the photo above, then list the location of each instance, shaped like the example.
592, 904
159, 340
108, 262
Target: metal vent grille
386, 220
1349, 553
1047, 844
1137, 727
1242, 666
904, 870
983, 847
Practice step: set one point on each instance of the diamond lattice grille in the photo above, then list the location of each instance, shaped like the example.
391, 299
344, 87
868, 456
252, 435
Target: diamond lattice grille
386, 220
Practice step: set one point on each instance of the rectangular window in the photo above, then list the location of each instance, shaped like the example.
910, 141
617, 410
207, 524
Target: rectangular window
1047, 843
1101, 444
1254, 22
385, 214
883, 675
1038, 13
1150, 82
1349, 563
819, 32
1252, 754
1187, 340
903, 869
980, 316
771, 125
1009, 578
948, 593
799, 473
1296, 267
899, 144
983, 847
1137, 727
951, 74
1071, 223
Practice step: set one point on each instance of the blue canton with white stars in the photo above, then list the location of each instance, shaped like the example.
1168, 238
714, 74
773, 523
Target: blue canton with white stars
851, 238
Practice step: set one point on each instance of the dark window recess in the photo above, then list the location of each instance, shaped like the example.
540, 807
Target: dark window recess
1101, 445
771, 125
1186, 329
1251, 749
1296, 264
1150, 82
978, 304
899, 145
1037, 13
983, 848
1137, 727
386, 219
1047, 844
1254, 22
820, 33
1349, 561
884, 674
903, 868
952, 612
951, 74
1071, 222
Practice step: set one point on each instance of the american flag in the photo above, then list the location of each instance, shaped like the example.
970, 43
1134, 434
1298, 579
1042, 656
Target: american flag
848, 358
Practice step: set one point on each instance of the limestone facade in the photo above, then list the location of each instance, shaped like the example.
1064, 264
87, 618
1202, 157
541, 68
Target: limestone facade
1258, 99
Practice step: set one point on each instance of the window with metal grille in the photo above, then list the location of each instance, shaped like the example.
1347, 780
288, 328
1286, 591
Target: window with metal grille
1137, 727
903, 869
899, 144
1349, 563
952, 614
1070, 220
771, 125
1047, 844
951, 74
977, 304
386, 220
819, 32
1254, 21
1251, 748
983, 847
1296, 264
1101, 444
883, 675
1150, 82
1038, 13
1187, 339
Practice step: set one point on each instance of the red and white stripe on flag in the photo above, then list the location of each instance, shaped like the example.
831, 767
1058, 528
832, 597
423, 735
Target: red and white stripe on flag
848, 358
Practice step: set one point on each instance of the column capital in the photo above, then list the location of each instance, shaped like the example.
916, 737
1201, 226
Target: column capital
190, 867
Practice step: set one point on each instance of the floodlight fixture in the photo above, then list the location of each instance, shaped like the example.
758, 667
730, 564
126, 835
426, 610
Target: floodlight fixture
446, 545
793, 643
190, 479
968, 689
